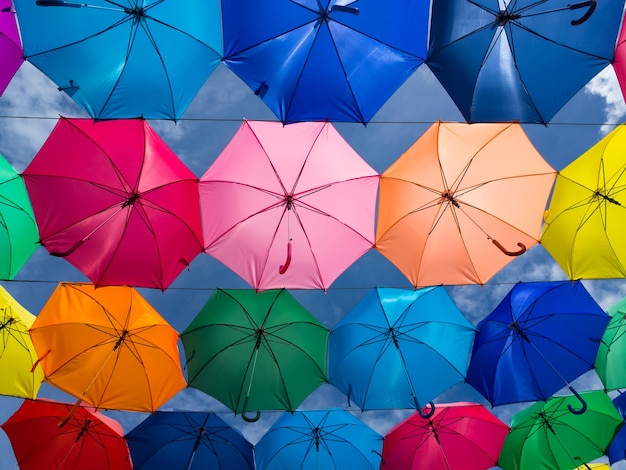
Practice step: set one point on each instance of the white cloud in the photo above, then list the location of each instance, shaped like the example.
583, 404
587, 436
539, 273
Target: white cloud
605, 86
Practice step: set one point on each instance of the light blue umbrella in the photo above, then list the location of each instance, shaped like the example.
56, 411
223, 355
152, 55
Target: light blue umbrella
400, 348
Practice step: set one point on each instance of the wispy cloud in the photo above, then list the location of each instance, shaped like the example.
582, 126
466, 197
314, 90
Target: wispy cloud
605, 86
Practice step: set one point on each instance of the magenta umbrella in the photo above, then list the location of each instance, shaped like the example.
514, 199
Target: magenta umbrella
11, 52
288, 206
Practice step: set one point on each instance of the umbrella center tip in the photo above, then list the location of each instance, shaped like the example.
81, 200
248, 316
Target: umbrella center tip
503, 17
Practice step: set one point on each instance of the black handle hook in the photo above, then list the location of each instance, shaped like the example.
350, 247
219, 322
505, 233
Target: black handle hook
582, 402
429, 413
249, 419
592, 4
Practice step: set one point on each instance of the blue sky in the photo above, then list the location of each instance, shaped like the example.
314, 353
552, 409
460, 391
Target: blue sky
29, 109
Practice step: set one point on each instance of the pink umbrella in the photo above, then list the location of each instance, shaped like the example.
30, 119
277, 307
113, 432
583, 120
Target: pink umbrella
288, 206
11, 53
619, 64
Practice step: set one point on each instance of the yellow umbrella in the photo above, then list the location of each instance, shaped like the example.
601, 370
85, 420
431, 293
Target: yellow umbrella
586, 218
594, 466
17, 354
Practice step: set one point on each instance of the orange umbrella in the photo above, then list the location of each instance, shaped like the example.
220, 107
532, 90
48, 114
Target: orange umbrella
107, 346
461, 202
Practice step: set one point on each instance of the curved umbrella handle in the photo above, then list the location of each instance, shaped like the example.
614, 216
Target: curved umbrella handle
63, 254
430, 412
283, 267
522, 249
64, 421
249, 419
592, 4
582, 402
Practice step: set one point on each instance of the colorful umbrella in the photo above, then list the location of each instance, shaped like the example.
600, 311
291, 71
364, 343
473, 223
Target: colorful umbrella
610, 364
288, 206
108, 347
617, 448
546, 435
332, 59
519, 60
255, 351
188, 440
539, 338
619, 63
584, 223
11, 53
89, 441
329, 439
399, 348
459, 436
461, 202
131, 216
17, 354
126, 59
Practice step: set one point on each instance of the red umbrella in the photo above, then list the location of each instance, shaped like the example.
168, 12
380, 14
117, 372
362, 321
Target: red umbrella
458, 436
113, 200
89, 440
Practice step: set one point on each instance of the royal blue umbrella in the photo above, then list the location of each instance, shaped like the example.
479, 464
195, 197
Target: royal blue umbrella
188, 440
125, 59
617, 448
520, 59
400, 348
329, 439
312, 60
538, 339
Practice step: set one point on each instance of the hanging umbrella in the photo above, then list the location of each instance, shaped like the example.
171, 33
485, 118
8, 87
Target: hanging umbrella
399, 348
519, 60
584, 223
126, 59
288, 206
619, 62
329, 439
547, 435
11, 53
255, 351
17, 353
188, 440
89, 441
459, 436
617, 448
129, 217
461, 202
108, 347
539, 338
610, 364
331, 59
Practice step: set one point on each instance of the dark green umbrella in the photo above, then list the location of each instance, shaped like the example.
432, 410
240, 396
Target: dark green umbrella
610, 364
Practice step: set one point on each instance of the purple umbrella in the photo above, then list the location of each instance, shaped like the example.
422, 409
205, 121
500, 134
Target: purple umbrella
11, 53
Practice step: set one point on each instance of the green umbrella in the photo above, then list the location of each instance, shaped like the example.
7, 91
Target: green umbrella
610, 364
547, 435
255, 350
19, 236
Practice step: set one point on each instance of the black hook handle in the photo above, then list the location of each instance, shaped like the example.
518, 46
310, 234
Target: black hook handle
582, 402
249, 419
430, 412
592, 4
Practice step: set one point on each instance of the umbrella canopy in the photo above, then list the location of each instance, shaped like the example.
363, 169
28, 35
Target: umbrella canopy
108, 347
459, 436
17, 353
519, 60
619, 62
312, 60
399, 348
131, 216
89, 441
11, 53
546, 435
539, 338
461, 202
610, 364
617, 448
584, 223
255, 351
329, 439
126, 59
288, 206
188, 440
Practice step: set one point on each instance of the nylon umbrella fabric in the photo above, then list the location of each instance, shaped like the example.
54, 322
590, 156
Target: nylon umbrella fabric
462, 202
617, 449
255, 351
288, 206
547, 435
610, 359
129, 217
619, 62
337, 60
128, 59
585, 219
331, 439
459, 436
90, 440
399, 348
107, 347
188, 440
520, 59
540, 337
11, 52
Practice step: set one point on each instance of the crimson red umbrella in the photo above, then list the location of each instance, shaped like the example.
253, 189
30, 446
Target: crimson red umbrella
89, 440
116, 202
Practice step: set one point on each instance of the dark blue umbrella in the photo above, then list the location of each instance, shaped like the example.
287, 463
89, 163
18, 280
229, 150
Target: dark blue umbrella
617, 448
523, 61
539, 338
188, 440
312, 60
